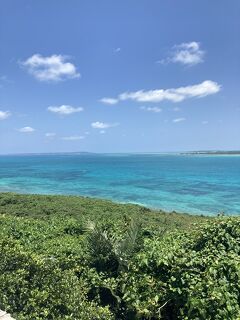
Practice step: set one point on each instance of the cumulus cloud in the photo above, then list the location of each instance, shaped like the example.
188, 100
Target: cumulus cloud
103, 125
187, 53
73, 138
64, 109
52, 68
26, 129
175, 94
179, 120
151, 109
109, 101
4, 115
200, 90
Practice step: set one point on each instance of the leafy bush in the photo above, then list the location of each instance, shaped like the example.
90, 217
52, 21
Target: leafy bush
34, 287
131, 263
188, 276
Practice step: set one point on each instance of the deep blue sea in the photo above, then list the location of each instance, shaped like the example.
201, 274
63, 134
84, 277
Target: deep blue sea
198, 184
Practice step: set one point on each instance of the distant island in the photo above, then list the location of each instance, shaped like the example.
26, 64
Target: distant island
214, 152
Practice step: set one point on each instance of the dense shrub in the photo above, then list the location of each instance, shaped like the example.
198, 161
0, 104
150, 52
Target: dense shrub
131, 264
189, 276
34, 287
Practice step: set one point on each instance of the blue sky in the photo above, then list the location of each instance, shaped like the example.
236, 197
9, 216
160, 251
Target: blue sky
119, 76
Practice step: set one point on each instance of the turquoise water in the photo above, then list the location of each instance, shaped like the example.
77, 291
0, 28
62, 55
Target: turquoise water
184, 183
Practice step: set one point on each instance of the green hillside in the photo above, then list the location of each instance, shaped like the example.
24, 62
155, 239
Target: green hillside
66, 257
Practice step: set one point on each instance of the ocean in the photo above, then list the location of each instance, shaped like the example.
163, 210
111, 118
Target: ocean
196, 184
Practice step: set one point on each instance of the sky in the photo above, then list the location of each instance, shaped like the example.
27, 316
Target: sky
119, 76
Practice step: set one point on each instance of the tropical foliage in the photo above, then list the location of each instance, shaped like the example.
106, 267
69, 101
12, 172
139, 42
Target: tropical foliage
79, 258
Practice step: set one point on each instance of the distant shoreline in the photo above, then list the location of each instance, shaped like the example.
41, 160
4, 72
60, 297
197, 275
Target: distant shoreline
212, 153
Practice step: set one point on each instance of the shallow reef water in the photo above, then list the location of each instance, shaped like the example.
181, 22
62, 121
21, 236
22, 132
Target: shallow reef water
197, 184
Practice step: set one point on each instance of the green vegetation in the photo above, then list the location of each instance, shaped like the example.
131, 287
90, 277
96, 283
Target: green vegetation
79, 258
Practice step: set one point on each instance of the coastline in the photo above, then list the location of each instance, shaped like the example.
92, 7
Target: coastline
121, 203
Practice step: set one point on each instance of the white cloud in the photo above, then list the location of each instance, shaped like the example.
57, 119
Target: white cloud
26, 129
102, 131
53, 68
179, 120
103, 125
4, 115
50, 134
151, 109
109, 101
200, 90
205, 122
73, 138
64, 109
188, 53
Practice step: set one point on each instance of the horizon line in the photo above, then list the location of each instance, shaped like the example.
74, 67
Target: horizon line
122, 152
